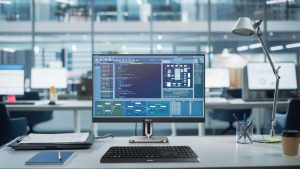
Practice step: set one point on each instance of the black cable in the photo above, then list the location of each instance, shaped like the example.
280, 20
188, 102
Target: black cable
135, 131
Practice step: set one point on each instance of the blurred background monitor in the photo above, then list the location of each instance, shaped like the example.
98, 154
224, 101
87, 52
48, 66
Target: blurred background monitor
12, 79
261, 77
43, 78
259, 82
217, 78
85, 87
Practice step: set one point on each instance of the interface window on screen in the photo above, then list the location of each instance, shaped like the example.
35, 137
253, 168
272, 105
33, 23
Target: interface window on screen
148, 86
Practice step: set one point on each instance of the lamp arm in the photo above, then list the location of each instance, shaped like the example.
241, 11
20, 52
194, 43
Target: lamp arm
266, 52
275, 71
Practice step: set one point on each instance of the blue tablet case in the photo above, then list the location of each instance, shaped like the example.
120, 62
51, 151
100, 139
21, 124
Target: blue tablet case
49, 158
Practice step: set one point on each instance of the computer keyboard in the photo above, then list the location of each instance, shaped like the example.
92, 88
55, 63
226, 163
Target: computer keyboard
137, 154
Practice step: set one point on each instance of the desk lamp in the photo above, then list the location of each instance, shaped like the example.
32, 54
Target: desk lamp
246, 27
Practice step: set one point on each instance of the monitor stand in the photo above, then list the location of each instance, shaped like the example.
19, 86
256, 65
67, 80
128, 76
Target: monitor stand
148, 138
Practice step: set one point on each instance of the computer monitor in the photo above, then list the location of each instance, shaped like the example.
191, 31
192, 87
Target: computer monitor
217, 78
12, 79
148, 88
44, 78
261, 77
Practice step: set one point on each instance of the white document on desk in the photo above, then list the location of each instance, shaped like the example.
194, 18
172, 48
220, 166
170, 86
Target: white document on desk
56, 138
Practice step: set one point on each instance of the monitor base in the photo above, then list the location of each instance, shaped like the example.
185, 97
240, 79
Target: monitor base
145, 139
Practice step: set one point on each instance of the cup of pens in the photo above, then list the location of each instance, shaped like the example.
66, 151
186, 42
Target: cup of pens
244, 131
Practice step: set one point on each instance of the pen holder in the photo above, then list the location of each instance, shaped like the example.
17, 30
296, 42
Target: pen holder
244, 133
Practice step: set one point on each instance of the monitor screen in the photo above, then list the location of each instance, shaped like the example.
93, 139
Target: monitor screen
148, 88
11, 79
44, 78
261, 77
217, 78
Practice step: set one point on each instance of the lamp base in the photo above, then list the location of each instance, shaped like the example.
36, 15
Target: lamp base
267, 139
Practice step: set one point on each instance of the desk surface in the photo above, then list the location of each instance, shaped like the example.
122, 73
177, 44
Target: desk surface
210, 103
214, 152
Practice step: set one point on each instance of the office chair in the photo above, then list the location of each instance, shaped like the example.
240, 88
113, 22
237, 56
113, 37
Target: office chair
33, 118
227, 115
290, 120
10, 128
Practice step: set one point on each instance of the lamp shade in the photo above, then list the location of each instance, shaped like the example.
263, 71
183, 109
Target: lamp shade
243, 26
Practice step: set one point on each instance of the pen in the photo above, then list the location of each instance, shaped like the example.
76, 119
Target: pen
59, 155
245, 133
244, 120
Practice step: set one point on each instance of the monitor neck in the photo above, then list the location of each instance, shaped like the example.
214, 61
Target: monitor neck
148, 138
148, 129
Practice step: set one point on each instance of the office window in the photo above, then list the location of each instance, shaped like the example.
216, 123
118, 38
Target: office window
63, 11
63, 34
131, 26
15, 10
15, 34
72, 50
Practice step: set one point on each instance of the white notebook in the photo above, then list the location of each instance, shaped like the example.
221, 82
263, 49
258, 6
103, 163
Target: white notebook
55, 138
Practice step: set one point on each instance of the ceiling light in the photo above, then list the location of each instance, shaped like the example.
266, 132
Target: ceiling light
74, 48
71, 2
242, 48
270, 2
255, 45
159, 37
275, 48
124, 47
139, 2
292, 45
36, 50
271, 33
5, 49
225, 52
6, 2
159, 47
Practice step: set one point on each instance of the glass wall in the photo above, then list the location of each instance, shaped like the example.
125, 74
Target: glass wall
16, 33
71, 30
15, 10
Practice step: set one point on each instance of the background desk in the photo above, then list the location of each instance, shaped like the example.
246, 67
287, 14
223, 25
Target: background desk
73, 105
77, 105
214, 152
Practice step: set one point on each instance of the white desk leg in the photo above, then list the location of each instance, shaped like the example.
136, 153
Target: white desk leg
95, 129
77, 121
257, 119
173, 127
201, 129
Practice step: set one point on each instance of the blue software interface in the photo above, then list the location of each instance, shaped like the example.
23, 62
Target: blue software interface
153, 86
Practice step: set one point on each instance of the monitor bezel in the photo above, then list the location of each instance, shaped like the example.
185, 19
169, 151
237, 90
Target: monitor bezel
148, 119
